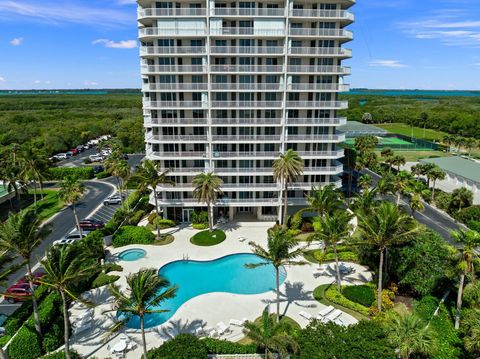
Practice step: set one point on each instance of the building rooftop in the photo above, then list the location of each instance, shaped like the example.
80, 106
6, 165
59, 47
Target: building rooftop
356, 129
458, 166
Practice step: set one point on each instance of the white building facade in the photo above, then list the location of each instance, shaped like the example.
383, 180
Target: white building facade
229, 85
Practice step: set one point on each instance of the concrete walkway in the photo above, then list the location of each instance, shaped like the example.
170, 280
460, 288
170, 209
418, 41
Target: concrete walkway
209, 309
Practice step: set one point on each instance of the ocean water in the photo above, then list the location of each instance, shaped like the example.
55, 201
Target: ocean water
416, 93
227, 274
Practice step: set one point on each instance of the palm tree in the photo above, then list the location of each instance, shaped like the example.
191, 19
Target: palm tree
461, 198
468, 241
385, 185
398, 161
365, 144
65, 268
415, 203
278, 253
364, 181
332, 230
286, 169
12, 179
34, 164
324, 200
387, 154
120, 169
150, 175
383, 228
435, 174
472, 332
71, 191
20, 235
366, 201
410, 336
271, 335
400, 184
470, 144
207, 188
448, 140
146, 290
5, 258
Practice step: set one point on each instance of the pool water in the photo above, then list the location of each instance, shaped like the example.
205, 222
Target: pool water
131, 255
227, 274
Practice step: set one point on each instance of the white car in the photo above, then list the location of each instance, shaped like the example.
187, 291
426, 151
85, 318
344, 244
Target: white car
63, 241
61, 156
70, 238
115, 199
96, 158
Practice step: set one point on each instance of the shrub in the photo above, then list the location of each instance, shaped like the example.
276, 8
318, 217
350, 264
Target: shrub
200, 217
307, 227
361, 294
103, 174
132, 235
333, 295
200, 225
59, 173
296, 221
164, 223
112, 267
293, 232
104, 279
183, 346
151, 217
469, 214
61, 355
54, 338
329, 256
475, 225
136, 217
25, 345
217, 346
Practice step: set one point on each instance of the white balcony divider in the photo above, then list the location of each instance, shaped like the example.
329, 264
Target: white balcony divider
247, 12
173, 68
165, 32
246, 104
318, 32
247, 86
163, 50
277, 50
319, 69
241, 31
154, 12
247, 68
325, 14
324, 51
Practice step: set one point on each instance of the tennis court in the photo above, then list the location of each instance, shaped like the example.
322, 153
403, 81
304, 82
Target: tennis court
396, 144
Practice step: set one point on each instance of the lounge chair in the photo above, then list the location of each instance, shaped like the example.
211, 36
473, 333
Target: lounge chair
333, 315
338, 321
212, 333
238, 323
84, 325
222, 328
241, 239
324, 312
305, 315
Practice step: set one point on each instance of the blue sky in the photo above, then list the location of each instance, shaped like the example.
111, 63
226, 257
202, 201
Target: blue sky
425, 44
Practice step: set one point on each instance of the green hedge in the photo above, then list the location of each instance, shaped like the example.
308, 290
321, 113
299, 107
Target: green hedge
103, 174
59, 173
200, 226
333, 295
132, 235
217, 346
345, 254
104, 279
54, 337
136, 217
361, 294
61, 355
183, 346
25, 345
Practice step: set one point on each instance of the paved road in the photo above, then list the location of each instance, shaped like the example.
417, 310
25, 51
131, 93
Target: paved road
430, 217
77, 161
64, 222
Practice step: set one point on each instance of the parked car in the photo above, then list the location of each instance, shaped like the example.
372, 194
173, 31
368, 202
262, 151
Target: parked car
36, 277
62, 242
75, 235
74, 151
115, 199
69, 154
91, 224
98, 169
61, 156
80, 148
95, 158
18, 293
125, 156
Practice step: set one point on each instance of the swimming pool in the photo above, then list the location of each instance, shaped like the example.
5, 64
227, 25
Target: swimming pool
131, 255
227, 274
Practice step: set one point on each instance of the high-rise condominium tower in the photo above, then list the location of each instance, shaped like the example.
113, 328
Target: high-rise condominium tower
229, 85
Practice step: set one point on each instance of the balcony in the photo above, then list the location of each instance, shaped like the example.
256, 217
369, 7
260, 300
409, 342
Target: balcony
327, 33
247, 86
324, 87
162, 105
186, 171
335, 154
319, 69
160, 32
320, 15
172, 50
237, 202
180, 187
246, 138
250, 170
314, 138
225, 12
167, 87
181, 12
321, 51
327, 170
245, 121
177, 138
256, 154
175, 155
247, 50
334, 105
168, 69
175, 121
246, 31
246, 104
317, 121
308, 185
268, 69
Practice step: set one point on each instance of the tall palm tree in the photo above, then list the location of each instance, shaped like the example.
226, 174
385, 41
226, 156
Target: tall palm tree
324, 200
387, 154
12, 179
71, 191
461, 198
385, 185
383, 228
400, 184
448, 140
279, 252
415, 203
286, 169
410, 335
146, 290
150, 175
365, 144
470, 144
20, 235
206, 189
64, 268
271, 335
364, 181
366, 201
468, 241
120, 169
332, 230
435, 174
398, 161
34, 164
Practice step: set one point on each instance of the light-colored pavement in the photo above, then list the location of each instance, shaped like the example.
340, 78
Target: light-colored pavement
209, 309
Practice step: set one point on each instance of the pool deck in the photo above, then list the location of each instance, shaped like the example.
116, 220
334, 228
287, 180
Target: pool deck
209, 309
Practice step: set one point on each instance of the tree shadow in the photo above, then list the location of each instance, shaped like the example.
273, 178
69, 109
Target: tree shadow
175, 327
229, 227
293, 294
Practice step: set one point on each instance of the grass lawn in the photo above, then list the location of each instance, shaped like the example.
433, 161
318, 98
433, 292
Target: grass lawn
164, 240
415, 156
207, 238
50, 204
319, 295
406, 130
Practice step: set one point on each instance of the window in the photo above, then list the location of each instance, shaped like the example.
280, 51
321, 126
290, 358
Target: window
296, 43
166, 42
196, 42
295, 61
197, 79
270, 96
271, 43
220, 42
196, 60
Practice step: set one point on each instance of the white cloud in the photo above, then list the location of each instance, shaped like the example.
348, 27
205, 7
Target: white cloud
90, 83
124, 44
127, 2
36, 82
2, 79
387, 63
17, 41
